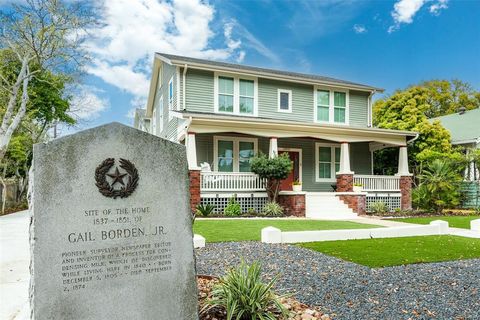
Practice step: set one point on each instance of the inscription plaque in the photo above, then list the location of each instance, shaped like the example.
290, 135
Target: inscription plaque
111, 229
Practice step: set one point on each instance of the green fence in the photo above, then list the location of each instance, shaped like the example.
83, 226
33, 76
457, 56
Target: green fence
472, 194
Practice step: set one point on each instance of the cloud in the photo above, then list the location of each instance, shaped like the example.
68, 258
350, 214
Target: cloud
437, 7
131, 31
359, 28
86, 104
405, 10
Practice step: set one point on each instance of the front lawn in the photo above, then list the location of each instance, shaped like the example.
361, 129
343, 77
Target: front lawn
376, 253
453, 221
250, 229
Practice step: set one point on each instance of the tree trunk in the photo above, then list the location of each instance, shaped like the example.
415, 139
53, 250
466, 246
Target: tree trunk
6, 135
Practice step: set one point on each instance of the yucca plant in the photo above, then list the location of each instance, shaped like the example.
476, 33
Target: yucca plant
205, 209
244, 296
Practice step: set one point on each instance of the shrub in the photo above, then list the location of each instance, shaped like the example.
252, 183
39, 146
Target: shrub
274, 170
233, 208
244, 296
272, 209
378, 207
205, 210
439, 186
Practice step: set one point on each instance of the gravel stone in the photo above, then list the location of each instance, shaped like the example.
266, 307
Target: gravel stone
345, 290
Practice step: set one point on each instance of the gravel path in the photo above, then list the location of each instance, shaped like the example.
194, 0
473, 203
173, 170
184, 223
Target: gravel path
447, 290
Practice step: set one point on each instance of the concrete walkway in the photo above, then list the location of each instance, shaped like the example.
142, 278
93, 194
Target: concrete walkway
14, 266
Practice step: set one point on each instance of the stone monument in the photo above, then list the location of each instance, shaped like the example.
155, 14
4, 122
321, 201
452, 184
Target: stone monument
111, 230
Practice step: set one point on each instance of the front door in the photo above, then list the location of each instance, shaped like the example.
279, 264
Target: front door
286, 185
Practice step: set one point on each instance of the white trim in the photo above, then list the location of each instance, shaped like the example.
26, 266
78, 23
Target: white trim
236, 149
236, 94
331, 110
332, 161
170, 99
154, 122
160, 103
300, 174
290, 107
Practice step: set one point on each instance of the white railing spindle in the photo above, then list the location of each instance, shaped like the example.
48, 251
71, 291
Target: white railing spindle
231, 181
377, 183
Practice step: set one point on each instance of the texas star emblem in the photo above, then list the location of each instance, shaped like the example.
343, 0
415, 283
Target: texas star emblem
122, 183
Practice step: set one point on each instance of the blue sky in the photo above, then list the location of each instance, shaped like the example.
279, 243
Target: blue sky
389, 44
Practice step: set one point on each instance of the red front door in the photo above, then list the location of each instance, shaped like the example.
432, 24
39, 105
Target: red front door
295, 174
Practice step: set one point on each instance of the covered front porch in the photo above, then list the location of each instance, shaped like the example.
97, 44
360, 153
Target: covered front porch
327, 159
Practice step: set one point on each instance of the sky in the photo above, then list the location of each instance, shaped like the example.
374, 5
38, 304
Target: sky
384, 43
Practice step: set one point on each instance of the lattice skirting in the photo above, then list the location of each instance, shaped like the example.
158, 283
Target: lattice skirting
392, 200
248, 201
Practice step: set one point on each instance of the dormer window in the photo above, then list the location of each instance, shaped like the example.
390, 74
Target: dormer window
236, 95
331, 105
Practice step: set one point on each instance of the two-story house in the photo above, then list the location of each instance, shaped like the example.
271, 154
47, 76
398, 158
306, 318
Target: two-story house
226, 113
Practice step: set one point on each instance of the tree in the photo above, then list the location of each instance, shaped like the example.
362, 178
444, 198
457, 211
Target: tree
446, 97
408, 110
274, 170
43, 35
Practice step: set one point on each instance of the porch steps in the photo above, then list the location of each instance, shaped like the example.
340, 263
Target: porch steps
327, 206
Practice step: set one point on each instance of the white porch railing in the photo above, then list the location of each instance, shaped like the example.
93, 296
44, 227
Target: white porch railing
377, 183
231, 181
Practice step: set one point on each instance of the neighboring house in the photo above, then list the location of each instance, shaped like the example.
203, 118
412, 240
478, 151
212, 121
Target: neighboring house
464, 127
227, 113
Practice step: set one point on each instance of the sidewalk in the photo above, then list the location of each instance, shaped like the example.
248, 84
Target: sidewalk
14, 266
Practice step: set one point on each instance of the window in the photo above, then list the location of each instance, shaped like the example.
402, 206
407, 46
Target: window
246, 96
327, 161
235, 95
339, 106
233, 154
323, 105
225, 94
154, 121
331, 106
284, 100
170, 98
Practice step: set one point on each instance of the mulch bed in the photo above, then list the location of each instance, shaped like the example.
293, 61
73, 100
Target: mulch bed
298, 310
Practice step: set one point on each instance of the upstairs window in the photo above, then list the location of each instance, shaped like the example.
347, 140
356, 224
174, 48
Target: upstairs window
331, 106
235, 95
246, 96
170, 99
284, 100
225, 94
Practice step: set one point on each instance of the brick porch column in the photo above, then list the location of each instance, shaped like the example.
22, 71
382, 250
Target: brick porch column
406, 191
405, 179
344, 175
194, 177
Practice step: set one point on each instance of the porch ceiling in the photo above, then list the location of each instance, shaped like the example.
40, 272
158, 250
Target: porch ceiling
290, 129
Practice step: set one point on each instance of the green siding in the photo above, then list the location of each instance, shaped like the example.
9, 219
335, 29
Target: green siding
358, 105
302, 100
360, 157
199, 93
200, 98
167, 72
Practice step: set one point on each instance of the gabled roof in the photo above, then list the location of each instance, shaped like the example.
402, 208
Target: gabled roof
263, 72
464, 128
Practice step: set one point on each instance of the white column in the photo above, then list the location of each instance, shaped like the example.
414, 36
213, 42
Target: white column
403, 162
273, 150
344, 159
191, 151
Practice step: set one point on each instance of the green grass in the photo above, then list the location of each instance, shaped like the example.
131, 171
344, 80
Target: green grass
249, 229
398, 251
453, 221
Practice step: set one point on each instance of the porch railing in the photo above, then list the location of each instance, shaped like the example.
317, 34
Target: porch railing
231, 181
377, 183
